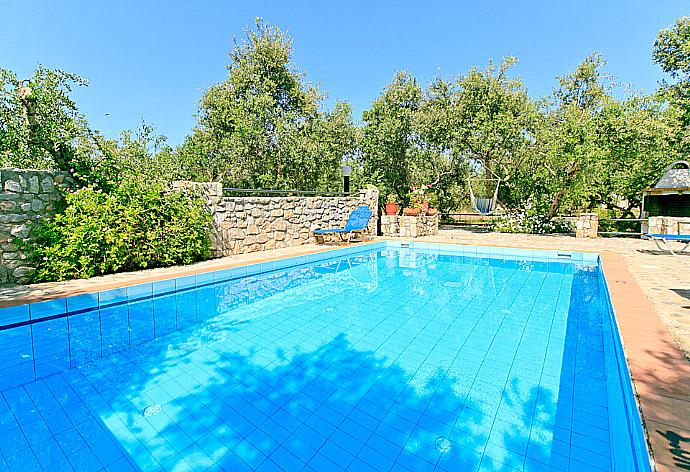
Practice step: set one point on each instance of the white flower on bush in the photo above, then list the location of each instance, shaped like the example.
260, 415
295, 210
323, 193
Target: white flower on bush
524, 220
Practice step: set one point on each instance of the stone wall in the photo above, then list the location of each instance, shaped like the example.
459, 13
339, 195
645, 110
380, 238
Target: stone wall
587, 225
25, 196
251, 223
409, 226
667, 225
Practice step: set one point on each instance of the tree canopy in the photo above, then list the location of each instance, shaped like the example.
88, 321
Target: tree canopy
588, 145
264, 126
40, 125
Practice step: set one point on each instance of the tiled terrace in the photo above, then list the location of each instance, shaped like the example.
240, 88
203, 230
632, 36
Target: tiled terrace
649, 291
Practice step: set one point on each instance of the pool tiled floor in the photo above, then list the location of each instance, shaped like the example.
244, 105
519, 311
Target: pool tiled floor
402, 362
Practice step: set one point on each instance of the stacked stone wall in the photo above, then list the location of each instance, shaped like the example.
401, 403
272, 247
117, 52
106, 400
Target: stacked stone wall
25, 196
667, 225
252, 223
409, 226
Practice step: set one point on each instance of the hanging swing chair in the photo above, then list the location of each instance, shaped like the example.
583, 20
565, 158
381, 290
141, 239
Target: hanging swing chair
485, 204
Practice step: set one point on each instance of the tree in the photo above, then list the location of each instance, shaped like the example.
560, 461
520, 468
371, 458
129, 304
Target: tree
264, 125
389, 149
483, 121
567, 147
672, 52
40, 125
592, 150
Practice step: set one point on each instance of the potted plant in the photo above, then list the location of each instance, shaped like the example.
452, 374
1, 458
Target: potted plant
433, 203
415, 207
419, 198
392, 204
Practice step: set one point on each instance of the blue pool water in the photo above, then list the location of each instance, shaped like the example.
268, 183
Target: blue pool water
375, 359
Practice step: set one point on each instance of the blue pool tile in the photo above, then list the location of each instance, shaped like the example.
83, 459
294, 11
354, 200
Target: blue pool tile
163, 287
84, 459
86, 301
141, 321
206, 303
49, 453
14, 314
303, 449
110, 297
135, 292
585, 457
186, 282
21, 461
286, 459
121, 465
249, 270
376, 459
249, 454
222, 275
114, 328
322, 462
51, 347
48, 308
186, 301
16, 357
85, 337
165, 315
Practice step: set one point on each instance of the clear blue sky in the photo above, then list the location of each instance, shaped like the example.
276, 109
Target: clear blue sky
152, 60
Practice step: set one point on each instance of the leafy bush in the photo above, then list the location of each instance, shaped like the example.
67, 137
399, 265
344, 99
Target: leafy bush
532, 220
134, 226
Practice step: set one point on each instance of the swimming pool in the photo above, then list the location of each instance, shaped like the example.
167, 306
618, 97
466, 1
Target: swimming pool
385, 356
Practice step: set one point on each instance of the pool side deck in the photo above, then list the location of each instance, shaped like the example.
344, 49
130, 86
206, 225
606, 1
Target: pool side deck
649, 292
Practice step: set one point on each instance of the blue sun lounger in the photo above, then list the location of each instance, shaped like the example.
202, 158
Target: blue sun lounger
665, 238
356, 224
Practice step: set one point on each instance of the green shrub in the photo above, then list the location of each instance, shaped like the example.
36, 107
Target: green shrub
530, 219
134, 226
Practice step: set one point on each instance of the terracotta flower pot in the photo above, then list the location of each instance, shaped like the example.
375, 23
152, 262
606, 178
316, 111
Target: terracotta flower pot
432, 211
391, 209
425, 207
411, 211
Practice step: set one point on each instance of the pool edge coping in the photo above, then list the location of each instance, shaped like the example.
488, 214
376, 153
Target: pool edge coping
142, 277
644, 339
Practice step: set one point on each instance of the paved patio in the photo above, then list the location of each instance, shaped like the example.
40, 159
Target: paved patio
650, 291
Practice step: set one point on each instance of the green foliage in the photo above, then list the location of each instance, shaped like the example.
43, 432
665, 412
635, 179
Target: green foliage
263, 127
487, 119
392, 198
590, 149
389, 153
672, 52
581, 148
134, 226
137, 155
530, 219
40, 125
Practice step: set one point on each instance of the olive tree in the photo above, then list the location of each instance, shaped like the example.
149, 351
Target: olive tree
265, 126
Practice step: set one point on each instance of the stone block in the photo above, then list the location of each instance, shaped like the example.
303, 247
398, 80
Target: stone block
12, 187
587, 225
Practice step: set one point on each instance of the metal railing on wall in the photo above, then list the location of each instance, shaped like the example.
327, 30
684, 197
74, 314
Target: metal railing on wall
466, 219
607, 226
632, 223
232, 191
